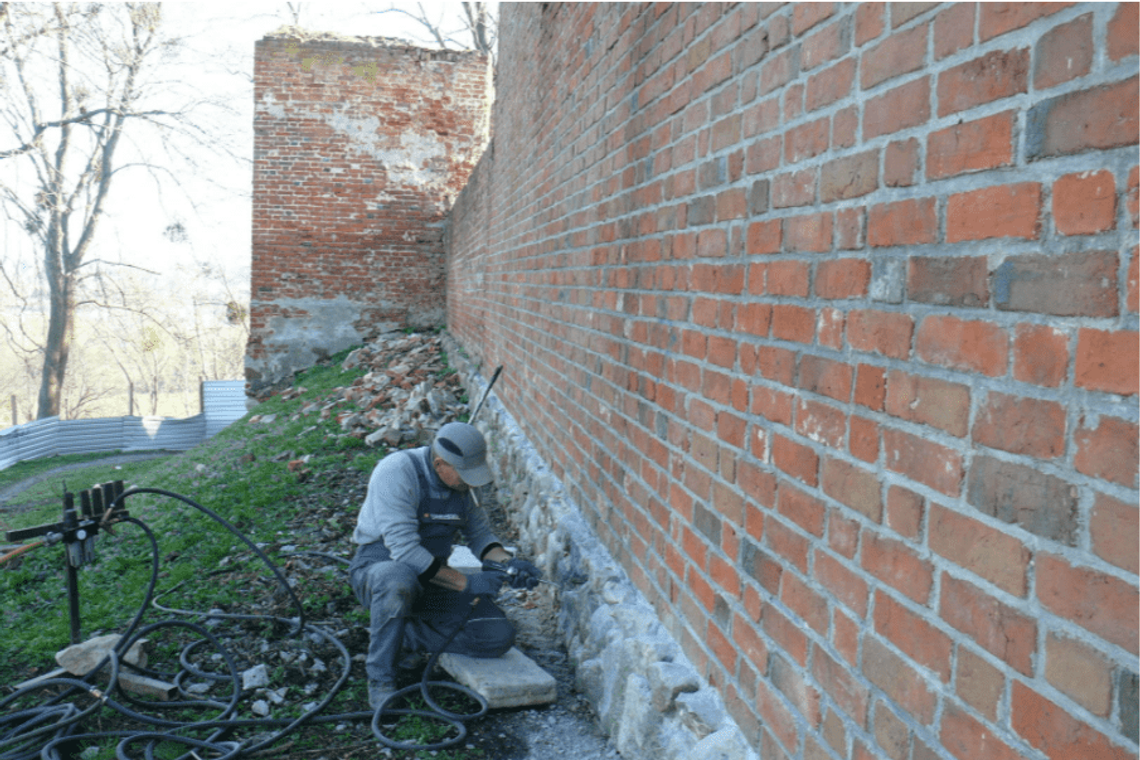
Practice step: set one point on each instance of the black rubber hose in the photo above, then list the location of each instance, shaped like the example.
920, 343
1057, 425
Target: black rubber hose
440, 714
22, 732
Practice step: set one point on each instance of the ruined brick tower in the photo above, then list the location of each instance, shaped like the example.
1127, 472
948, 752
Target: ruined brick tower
360, 146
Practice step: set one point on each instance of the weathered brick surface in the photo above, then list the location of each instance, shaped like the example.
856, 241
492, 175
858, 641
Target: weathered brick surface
360, 146
847, 293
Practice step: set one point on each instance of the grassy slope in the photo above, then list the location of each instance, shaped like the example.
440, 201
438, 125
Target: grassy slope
235, 474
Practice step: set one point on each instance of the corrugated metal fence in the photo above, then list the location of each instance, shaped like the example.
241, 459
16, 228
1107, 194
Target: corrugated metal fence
223, 402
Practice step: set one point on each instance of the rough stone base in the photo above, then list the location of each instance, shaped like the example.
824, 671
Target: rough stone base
648, 697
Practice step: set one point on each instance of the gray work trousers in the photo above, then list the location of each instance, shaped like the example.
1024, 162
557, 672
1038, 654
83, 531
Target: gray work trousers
404, 613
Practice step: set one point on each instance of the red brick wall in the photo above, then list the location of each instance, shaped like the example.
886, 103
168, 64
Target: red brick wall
826, 315
360, 147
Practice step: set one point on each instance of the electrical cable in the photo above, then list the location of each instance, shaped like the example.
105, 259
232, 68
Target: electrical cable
43, 731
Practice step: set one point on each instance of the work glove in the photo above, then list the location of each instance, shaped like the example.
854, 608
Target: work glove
523, 574
486, 583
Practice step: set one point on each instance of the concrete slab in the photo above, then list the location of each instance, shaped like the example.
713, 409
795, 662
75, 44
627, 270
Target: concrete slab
513, 680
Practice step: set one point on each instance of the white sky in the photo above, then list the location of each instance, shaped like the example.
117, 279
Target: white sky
212, 201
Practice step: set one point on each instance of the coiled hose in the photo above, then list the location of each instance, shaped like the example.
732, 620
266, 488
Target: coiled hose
40, 731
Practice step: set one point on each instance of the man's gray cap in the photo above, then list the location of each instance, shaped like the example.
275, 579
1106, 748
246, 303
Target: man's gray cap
462, 446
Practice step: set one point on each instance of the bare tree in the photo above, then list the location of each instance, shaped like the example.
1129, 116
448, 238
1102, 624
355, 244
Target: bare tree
474, 29
74, 82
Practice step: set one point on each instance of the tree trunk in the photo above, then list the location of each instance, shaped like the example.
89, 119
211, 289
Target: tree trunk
57, 346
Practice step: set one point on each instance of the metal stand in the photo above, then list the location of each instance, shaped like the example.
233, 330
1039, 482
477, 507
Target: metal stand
77, 531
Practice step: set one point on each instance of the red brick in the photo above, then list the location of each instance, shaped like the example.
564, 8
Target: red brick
845, 585
905, 511
1099, 118
805, 511
869, 21
853, 486
996, 75
905, 106
967, 345
1085, 203
788, 278
953, 29
1056, 732
929, 401
918, 639
795, 459
842, 534
864, 439
886, 333
849, 177
923, 461
787, 635
870, 387
994, 212
901, 13
907, 222
1064, 53
805, 602
1100, 603
812, 233
1113, 527
987, 552
1032, 427
900, 163
764, 238
998, 628
821, 423
901, 682
1108, 361
1036, 501
1124, 32
830, 85
826, 376
900, 53
806, 140
807, 16
980, 684
754, 318
750, 644
1080, 672
973, 146
999, 18
967, 739
844, 127
949, 281
795, 323
850, 695
842, 278
828, 44
794, 189
1081, 283
1040, 355
896, 564
891, 733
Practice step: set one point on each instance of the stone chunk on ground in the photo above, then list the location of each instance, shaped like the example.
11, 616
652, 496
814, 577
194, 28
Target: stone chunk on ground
513, 680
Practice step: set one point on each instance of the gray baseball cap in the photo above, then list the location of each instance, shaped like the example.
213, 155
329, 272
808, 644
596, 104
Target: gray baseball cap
462, 446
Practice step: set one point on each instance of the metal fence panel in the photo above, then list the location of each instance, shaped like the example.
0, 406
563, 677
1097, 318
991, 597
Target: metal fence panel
223, 403
88, 436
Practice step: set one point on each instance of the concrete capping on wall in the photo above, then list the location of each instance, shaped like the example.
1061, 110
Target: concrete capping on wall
649, 698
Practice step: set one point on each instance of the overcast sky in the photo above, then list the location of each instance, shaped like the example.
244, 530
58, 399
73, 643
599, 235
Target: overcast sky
213, 203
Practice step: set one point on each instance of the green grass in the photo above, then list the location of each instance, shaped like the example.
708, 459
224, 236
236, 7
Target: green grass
242, 474
233, 474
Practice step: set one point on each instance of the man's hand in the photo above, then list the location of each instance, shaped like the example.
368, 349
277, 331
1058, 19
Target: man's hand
486, 583
523, 574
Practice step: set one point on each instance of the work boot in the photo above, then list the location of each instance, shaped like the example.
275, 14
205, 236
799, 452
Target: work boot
379, 692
